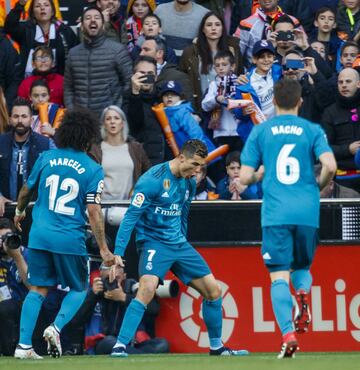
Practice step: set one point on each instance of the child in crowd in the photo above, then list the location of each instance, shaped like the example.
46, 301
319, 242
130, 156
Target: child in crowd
40, 93
180, 115
348, 20
230, 188
223, 122
205, 188
348, 53
325, 32
320, 48
137, 10
260, 85
43, 68
151, 26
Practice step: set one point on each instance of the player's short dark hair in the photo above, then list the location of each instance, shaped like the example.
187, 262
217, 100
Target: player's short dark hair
6, 223
40, 83
79, 129
225, 54
347, 44
232, 157
21, 102
144, 58
152, 15
194, 147
287, 93
323, 10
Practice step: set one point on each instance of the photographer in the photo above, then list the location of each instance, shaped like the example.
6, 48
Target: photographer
142, 121
13, 271
102, 314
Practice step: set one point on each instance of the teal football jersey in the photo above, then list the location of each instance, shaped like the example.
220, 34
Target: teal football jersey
158, 209
66, 181
288, 147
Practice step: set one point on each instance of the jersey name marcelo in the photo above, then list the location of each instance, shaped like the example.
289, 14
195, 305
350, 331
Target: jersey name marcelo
287, 130
68, 162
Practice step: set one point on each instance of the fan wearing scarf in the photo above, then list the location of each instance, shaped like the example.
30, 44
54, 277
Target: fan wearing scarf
41, 28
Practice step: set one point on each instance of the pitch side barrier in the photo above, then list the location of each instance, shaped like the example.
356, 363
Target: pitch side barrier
228, 235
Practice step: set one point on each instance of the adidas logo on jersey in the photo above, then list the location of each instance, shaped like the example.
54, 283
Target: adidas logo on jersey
165, 195
266, 256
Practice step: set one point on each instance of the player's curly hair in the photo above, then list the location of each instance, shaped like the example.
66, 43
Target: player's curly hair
194, 147
79, 129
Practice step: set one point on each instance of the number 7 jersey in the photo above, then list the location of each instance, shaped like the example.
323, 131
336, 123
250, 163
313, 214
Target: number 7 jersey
66, 180
288, 147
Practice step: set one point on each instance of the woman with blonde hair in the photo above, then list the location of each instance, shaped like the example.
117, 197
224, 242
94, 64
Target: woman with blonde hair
123, 159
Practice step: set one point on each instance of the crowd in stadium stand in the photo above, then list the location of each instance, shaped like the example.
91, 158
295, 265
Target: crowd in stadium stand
205, 69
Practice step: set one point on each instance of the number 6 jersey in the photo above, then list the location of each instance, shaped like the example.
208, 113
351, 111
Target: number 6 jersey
67, 180
287, 146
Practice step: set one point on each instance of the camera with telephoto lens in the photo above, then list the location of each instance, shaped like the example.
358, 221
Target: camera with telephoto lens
11, 240
168, 289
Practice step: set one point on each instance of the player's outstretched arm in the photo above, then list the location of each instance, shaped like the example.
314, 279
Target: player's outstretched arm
247, 175
24, 198
96, 221
328, 169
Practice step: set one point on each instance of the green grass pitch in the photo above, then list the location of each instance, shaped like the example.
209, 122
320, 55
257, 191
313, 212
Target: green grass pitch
258, 361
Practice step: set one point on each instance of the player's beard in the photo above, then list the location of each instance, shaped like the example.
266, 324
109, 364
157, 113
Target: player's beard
21, 130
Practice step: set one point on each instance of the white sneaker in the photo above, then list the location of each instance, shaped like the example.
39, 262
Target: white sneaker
52, 337
26, 353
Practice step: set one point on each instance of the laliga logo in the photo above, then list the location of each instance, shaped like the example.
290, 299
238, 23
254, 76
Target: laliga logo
192, 329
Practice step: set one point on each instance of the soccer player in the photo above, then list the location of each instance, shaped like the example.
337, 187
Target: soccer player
68, 182
287, 147
159, 211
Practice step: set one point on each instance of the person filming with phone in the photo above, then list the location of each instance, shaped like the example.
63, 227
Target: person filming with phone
143, 124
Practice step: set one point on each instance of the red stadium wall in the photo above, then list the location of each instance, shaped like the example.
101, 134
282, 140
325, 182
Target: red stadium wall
248, 321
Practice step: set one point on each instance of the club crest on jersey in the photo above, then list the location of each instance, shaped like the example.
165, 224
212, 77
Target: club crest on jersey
138, 200
166, 184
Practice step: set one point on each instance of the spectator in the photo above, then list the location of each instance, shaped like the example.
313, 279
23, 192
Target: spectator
320, 48
4, 114
10, 75
259, 83
43, 68
349, 51
205, 188
284, 26
310, 79
123, 158
113, 21
152, 28
348, 20
13, 271
19, 150
98, 70
341, 124
103, 310
42, 28
325, 32
258, 27
230, 188
180, 115
197, 59
222, 121
222, 7
136, 11
40, 93
155, 47
142, 121
180, 22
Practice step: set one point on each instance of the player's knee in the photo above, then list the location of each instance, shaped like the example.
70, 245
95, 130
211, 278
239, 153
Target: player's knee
213, 293
146, 291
